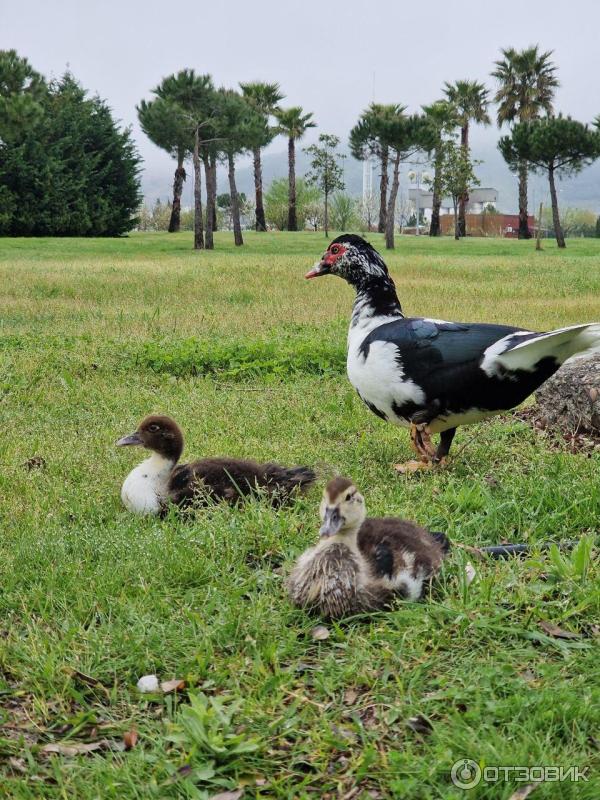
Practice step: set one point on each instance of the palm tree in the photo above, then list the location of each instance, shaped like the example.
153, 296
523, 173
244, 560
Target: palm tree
293, 124
264, 98
164, 125
442, 118
527, 81
471, 100
194, 96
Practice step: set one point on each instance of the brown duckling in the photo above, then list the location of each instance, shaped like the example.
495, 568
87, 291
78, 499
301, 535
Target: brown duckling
160, 479
361, 563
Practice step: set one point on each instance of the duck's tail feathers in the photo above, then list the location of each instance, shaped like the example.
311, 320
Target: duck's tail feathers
288, 479
561, 344
442, 540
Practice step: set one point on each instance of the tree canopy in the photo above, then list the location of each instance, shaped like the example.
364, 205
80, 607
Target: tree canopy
560, 144
527, 80
71, 171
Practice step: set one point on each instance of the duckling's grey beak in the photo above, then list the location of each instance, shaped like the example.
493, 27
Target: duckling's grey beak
131, 438
332, 522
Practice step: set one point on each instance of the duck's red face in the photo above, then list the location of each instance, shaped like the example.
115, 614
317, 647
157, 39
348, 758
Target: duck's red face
326, 265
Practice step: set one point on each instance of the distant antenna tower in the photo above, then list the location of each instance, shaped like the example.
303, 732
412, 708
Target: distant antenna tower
368, 166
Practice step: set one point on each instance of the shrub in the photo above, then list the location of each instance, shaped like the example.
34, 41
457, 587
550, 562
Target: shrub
238, 360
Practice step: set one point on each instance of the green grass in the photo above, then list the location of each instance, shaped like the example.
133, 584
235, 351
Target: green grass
248, 357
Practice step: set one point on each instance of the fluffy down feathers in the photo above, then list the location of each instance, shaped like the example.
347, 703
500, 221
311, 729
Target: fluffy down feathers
330, 582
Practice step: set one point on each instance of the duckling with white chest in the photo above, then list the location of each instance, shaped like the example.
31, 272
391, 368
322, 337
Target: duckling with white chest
161, 480
360, 563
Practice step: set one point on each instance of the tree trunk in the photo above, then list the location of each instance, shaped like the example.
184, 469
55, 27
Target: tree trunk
383, 187
558, 231
456, 221
213, 188
436, 200
435, 228
210, 244
235, 203
390, 221
464, 198
261, 224
570, 399
326, 217
175, 221
198, 231
292, 220
524, 232
538, 235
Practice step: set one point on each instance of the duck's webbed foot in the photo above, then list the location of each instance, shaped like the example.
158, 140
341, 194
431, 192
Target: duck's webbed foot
420, 439
409, 467
429, 456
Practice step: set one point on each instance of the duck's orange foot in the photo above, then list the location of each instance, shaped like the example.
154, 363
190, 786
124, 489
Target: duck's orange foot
410, 467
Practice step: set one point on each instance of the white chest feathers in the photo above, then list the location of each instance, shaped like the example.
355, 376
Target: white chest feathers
145, 488
379, 377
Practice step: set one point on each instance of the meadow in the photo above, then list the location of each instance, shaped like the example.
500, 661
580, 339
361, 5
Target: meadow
249, 358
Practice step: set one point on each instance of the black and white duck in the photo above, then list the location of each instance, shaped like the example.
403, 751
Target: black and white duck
361, 563
431, 375
161, 480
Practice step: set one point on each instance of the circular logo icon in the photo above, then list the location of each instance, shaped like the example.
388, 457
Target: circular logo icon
465, 773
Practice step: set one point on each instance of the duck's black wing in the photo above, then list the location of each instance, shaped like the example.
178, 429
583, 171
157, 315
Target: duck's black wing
455, 363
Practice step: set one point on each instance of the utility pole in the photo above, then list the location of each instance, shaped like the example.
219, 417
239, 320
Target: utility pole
414, 176
538, 238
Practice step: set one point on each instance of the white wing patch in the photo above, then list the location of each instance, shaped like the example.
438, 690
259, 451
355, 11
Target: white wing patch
491, 364
561, 344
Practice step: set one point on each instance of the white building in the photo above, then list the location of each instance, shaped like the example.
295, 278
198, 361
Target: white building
479, 200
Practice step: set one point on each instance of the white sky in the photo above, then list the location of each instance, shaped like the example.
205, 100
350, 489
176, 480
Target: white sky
326, 54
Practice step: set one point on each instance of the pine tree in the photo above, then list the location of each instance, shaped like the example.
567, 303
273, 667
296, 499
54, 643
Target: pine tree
71, 171
559, 146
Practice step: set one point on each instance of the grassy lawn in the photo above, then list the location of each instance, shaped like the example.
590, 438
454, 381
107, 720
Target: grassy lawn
249, 358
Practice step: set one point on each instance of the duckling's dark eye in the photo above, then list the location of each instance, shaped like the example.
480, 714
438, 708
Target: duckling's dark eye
349, 496
154, 428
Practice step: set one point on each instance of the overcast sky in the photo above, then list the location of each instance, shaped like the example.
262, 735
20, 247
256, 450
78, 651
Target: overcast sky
330, 56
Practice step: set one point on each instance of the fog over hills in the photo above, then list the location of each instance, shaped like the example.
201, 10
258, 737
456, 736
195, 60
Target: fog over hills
581, 191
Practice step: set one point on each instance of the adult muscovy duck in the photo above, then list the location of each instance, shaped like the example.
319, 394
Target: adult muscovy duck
431, 375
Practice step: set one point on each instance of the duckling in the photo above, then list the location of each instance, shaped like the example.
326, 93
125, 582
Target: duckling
160, 479
360, 563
